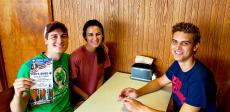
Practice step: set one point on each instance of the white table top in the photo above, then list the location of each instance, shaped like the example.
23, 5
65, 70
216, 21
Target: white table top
105, 99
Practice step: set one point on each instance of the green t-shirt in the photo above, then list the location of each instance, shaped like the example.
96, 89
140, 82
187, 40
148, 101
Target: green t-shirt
61, 101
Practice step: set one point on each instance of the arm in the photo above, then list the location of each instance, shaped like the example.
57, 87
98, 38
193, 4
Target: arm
21, 98
127, 95
100, 82
80, 92
106, 65
74, 87
132, 105
189, 108
154, 85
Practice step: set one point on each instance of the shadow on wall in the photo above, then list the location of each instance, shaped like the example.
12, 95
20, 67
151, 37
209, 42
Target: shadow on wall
114, 42
213, 55
222, 78
6, 97
223, 105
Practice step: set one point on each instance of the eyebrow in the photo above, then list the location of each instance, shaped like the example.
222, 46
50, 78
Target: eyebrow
53, 34
182, 41
94, 32
57, 34
65, 34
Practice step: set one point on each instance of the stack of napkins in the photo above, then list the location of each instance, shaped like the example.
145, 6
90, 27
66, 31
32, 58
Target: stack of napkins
144, 60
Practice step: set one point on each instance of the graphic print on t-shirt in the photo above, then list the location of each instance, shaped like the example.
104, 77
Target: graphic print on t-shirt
60, 81
176, 87
60, 77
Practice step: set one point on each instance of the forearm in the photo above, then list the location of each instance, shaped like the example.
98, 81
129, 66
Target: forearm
148, 109
148, 88
18, 103
80, 92
100, 82
154, 85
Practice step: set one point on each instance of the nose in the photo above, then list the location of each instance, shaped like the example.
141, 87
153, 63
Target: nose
96, 38
59, 39
178, 46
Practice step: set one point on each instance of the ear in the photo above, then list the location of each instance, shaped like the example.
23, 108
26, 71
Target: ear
46, 41
195, 47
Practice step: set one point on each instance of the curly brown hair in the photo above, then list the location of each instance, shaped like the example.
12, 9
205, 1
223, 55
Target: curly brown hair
188, 28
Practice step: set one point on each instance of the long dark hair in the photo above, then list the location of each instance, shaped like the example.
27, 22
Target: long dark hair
101, 56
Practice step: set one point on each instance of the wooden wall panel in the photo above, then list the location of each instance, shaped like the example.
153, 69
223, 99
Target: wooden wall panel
132, 27
143, 27
21, 32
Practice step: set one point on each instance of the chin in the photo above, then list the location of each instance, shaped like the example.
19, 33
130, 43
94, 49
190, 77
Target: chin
60, 51
177, 58
96, 45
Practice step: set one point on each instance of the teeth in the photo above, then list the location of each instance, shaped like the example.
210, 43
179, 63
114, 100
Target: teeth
95, 42
58, 45
178, 52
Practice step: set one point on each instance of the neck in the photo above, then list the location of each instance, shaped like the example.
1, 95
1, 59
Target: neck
89, 48
187, 65
54, 56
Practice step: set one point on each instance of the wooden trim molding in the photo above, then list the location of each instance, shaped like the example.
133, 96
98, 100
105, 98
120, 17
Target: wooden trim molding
3, 78
50, 10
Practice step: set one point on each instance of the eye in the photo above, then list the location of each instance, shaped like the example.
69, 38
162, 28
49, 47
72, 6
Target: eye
185, 43
174, 42
53, 37
89, 34
98, 34
64, 36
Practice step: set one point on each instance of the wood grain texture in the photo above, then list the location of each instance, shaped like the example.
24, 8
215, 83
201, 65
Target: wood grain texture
143, 27
132, 27
21, 32
3, 77
135, 27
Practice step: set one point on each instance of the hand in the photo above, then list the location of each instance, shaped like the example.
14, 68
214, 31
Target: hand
22, 84
132, 105
128, 92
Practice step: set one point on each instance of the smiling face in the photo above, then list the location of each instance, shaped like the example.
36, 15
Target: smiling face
93, 37
182, 46
57, 41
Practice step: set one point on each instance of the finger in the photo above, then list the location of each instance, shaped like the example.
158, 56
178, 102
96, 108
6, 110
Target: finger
126, 100
127, 92
21, 87
121, 96
23, 84
19, 91
25, 79
122, 93
130, 90
123, 90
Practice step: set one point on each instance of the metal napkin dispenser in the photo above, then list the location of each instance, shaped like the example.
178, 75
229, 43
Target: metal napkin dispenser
143, 72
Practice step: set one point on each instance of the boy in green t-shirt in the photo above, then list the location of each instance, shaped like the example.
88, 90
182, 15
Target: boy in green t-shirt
56, 39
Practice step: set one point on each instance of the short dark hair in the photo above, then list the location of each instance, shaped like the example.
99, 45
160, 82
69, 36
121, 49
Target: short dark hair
188, 28
54, 25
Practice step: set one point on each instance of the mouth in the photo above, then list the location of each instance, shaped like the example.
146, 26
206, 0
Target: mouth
178, 52
59, 46
95, 43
